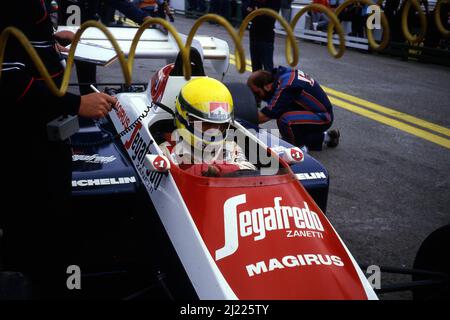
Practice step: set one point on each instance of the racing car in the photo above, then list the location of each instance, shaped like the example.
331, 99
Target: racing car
154, 230
252, 234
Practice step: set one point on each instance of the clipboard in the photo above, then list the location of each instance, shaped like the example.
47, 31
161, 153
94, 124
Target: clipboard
94, 53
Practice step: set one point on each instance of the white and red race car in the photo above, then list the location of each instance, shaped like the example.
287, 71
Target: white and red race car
248, 235
157, 228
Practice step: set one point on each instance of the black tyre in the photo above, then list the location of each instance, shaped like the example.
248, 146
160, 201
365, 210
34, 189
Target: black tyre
433, 256
244, 102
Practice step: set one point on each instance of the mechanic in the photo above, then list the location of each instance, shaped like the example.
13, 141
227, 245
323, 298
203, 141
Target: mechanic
204, 112
298, 103
38, 226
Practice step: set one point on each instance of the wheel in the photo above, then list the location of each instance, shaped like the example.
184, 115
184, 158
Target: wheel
433, 256
244, 102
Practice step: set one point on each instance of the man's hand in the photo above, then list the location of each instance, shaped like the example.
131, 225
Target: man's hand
64, 38
96, 105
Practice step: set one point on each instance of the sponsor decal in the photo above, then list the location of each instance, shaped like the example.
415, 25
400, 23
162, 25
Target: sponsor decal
138, 147
305, 77
159, 81
311, 175
95, 158
160, 164
103, 182
219, 110
293, 261
122, 115
258, 222
296, 154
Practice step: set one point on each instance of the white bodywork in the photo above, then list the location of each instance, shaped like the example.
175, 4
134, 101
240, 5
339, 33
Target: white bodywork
154, 44
203, 272
200, 266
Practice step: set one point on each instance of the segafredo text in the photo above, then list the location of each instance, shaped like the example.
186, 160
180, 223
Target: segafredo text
258, 222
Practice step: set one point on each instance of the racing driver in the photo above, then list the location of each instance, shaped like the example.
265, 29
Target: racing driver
199, 144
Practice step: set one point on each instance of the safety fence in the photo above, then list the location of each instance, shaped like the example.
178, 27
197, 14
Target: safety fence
423, 37
292, 50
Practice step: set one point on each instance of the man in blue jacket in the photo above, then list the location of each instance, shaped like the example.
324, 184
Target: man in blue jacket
298, 103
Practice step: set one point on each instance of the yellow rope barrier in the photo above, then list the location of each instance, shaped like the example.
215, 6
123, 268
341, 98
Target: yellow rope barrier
334, 22
126, 64
291, 49
437, 18
171, 29
372, 43
423, 22
224, 23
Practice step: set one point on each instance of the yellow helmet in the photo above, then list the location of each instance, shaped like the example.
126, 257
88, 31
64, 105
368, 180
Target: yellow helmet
204, 110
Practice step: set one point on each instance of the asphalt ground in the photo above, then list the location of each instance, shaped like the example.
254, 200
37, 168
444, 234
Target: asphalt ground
390, 175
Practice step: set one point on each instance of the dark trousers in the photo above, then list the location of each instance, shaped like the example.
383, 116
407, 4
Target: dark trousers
261, 54
244, 5
308, 135
308, 131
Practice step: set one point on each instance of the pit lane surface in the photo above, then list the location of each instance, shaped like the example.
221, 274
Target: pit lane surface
390, 181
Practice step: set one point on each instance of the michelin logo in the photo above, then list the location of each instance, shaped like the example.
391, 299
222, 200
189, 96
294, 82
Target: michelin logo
103, 182
311, 176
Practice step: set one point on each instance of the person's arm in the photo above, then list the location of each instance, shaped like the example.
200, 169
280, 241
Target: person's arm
130, 10
17, 86
277, 105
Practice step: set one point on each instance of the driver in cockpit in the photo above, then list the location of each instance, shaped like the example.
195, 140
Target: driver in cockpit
199, 144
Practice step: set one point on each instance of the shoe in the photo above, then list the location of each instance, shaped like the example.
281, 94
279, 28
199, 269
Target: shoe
334, 136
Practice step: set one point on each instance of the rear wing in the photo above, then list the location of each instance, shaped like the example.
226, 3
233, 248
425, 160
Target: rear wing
153, 44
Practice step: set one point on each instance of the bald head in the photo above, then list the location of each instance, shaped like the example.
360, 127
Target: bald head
261, 84
260, 78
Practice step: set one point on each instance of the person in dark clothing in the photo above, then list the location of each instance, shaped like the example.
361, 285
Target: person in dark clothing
298, 103
286, 9
245, 6
106, 9
38, 227
393, 15
262, 35
196, 5
218, 7
164, 10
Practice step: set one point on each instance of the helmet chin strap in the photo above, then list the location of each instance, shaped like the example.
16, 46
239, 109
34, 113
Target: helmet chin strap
164, 107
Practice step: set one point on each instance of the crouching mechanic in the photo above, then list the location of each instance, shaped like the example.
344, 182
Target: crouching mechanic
199, 144
298, 103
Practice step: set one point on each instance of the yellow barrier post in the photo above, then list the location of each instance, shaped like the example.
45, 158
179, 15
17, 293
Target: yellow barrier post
171, 29
372, 43
291, 50
437, 18
334, 22
414, 39
228, 27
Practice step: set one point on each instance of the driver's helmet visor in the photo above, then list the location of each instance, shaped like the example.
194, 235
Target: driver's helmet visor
208, 131
203, 126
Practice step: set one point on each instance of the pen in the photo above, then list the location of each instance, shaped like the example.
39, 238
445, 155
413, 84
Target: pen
98, 91
94, 88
